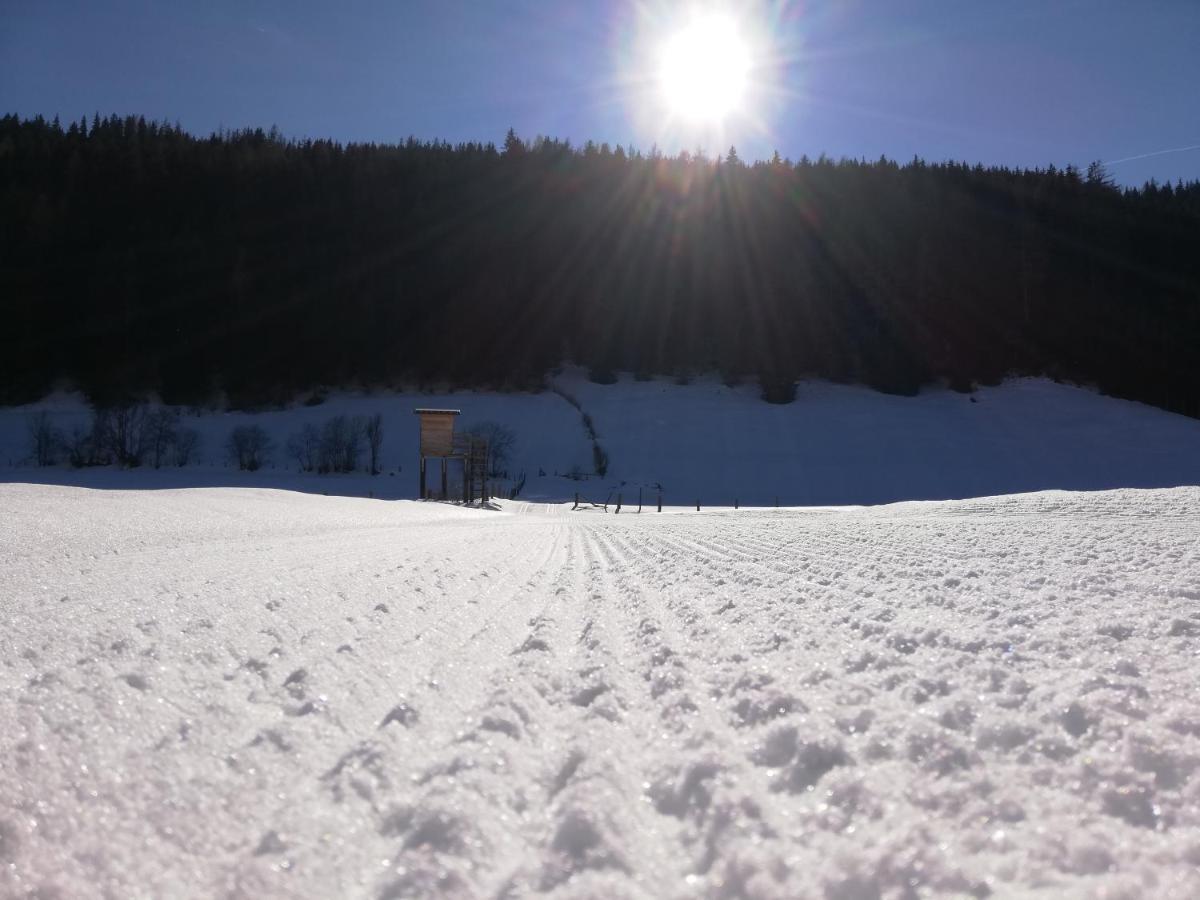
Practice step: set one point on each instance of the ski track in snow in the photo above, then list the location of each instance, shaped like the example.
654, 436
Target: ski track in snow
246, 693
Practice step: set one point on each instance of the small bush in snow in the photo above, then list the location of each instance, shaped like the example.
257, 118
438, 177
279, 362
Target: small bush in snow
602, 375
305, 447
778, 390
249, 446
341, 444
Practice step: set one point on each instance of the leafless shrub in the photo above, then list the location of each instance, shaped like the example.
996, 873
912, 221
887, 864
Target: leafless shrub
500, 439
160, 434
249, 446
305, 447
374, 432
44, 438
90, 446
187, 445
124, 433
341, 444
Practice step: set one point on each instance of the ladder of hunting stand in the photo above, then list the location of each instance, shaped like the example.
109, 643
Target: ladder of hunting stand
474, 452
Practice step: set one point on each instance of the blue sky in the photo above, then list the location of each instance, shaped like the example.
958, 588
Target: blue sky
1013, 82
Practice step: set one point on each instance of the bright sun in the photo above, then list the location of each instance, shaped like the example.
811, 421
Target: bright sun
704, 69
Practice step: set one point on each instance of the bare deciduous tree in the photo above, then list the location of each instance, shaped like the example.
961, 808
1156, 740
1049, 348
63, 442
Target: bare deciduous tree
125, 432
341, 444
249, 446
161, 431
79, 446
501, 440
90, 446
374, 432
44, 438
305, 447
187, 445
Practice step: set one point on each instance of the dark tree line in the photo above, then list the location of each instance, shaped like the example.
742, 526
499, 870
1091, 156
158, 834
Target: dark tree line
136, 257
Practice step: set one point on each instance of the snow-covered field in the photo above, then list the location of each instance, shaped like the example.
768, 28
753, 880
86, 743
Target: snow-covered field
836, 444
250, 693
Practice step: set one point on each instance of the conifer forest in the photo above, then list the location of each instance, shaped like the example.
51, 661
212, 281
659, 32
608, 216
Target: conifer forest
138, 258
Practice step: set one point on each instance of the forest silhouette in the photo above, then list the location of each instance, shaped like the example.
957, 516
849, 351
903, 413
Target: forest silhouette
138, 258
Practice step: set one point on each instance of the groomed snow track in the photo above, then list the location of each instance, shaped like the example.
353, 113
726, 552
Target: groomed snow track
245, 693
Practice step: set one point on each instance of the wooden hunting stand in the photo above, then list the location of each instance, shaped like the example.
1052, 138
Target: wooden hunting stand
438, 441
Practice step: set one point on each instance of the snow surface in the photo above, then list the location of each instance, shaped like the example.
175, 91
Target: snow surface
248, 693
836, 444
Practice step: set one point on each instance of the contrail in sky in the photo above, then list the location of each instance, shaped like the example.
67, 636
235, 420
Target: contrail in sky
1113, 162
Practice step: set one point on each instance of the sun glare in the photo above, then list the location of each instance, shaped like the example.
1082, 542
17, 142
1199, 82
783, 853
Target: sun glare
704, 69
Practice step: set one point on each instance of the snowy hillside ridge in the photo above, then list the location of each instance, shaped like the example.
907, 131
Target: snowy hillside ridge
263, 693
836, 444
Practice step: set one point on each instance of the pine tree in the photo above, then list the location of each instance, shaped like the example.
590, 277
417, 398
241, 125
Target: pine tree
513, 145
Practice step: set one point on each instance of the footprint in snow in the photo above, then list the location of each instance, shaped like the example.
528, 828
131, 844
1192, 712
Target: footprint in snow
294, 683
532, 644
566, 771
136, 681
585, 696
271, 843
402, 714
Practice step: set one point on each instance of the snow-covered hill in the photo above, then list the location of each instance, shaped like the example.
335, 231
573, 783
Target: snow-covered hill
252, 693
705, 441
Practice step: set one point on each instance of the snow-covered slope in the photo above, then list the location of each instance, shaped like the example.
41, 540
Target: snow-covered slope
839, 444
257, 693
705, 441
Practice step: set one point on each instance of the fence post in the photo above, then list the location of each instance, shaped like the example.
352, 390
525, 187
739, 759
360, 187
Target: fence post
735, 503
660, 501
697, 506
777, 503
618, 512
576, 506
639, 500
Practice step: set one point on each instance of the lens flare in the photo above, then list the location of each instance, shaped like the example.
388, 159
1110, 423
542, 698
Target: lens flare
704, 69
